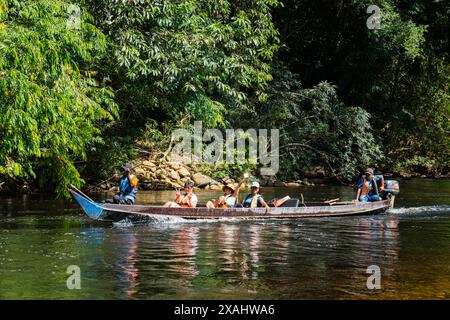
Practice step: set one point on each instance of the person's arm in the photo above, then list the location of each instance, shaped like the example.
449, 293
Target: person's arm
236, 192
263, 203
220, 201
178, 196
129, 177
382, 183
192, 201
360, 185
357, 194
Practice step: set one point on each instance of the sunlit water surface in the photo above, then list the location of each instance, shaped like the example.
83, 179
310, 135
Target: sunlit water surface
318, 258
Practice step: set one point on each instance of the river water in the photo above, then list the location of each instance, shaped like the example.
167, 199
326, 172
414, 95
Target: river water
318, 258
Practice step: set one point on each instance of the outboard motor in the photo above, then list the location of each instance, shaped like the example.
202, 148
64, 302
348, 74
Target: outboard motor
391, 188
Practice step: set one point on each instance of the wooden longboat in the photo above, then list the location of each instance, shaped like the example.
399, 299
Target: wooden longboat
141, 213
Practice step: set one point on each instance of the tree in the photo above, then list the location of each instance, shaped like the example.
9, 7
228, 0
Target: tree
52, 107
398, 73
316, 129
176, 58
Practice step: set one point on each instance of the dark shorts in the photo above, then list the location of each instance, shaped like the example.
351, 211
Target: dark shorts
118, 199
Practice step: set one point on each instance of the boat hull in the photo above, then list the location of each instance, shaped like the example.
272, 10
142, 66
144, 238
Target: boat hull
139, 213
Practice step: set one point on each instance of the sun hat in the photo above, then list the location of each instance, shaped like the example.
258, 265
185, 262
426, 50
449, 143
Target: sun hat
231, 186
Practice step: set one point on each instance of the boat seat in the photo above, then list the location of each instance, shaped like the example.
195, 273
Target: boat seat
294, 202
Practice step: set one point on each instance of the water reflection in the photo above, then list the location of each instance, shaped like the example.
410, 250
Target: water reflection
311, 258
183, 247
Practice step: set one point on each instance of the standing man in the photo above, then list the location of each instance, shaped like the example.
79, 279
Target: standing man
127, 187
367, 187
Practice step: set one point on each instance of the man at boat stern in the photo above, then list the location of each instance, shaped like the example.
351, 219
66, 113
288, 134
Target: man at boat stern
367, 187
127, 187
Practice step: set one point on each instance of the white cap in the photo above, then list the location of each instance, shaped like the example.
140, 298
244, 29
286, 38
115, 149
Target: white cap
255, 184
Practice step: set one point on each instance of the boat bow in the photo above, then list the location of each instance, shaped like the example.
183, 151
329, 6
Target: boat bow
93, 209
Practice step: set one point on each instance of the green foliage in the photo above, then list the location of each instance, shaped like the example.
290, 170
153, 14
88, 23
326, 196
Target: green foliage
51, 106
342, 95
399, 73
108, 156
188, 57
235, 170
316, 129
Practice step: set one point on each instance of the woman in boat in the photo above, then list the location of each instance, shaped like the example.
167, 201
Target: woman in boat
187, 200
254, 199
229, 199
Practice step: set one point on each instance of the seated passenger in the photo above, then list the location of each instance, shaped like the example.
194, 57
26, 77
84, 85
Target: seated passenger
188, 200
254, 199
367, 187
229, 199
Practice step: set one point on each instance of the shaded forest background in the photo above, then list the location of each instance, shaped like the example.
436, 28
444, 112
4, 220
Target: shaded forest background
87, 85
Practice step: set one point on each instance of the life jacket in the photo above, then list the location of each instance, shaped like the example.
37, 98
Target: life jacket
224, 204
254, 202
367, 186
125, 188
184, 201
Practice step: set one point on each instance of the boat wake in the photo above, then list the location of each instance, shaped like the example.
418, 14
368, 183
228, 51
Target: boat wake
160, 220
418, 210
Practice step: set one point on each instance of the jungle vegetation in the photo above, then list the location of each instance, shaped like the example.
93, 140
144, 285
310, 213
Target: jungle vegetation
86, 85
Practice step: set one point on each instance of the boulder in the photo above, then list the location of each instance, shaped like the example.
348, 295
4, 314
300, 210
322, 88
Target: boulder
279, 183
139, 171
215, 187
173, 175
228, 180
174, 165
184, 172
149, 175
145, 186
149, 164
201, 179
160, 174
292, 184
263, 183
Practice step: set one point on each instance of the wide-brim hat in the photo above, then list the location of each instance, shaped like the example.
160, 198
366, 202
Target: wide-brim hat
231, 186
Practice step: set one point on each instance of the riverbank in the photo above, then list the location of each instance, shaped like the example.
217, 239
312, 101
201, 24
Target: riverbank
170, 175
